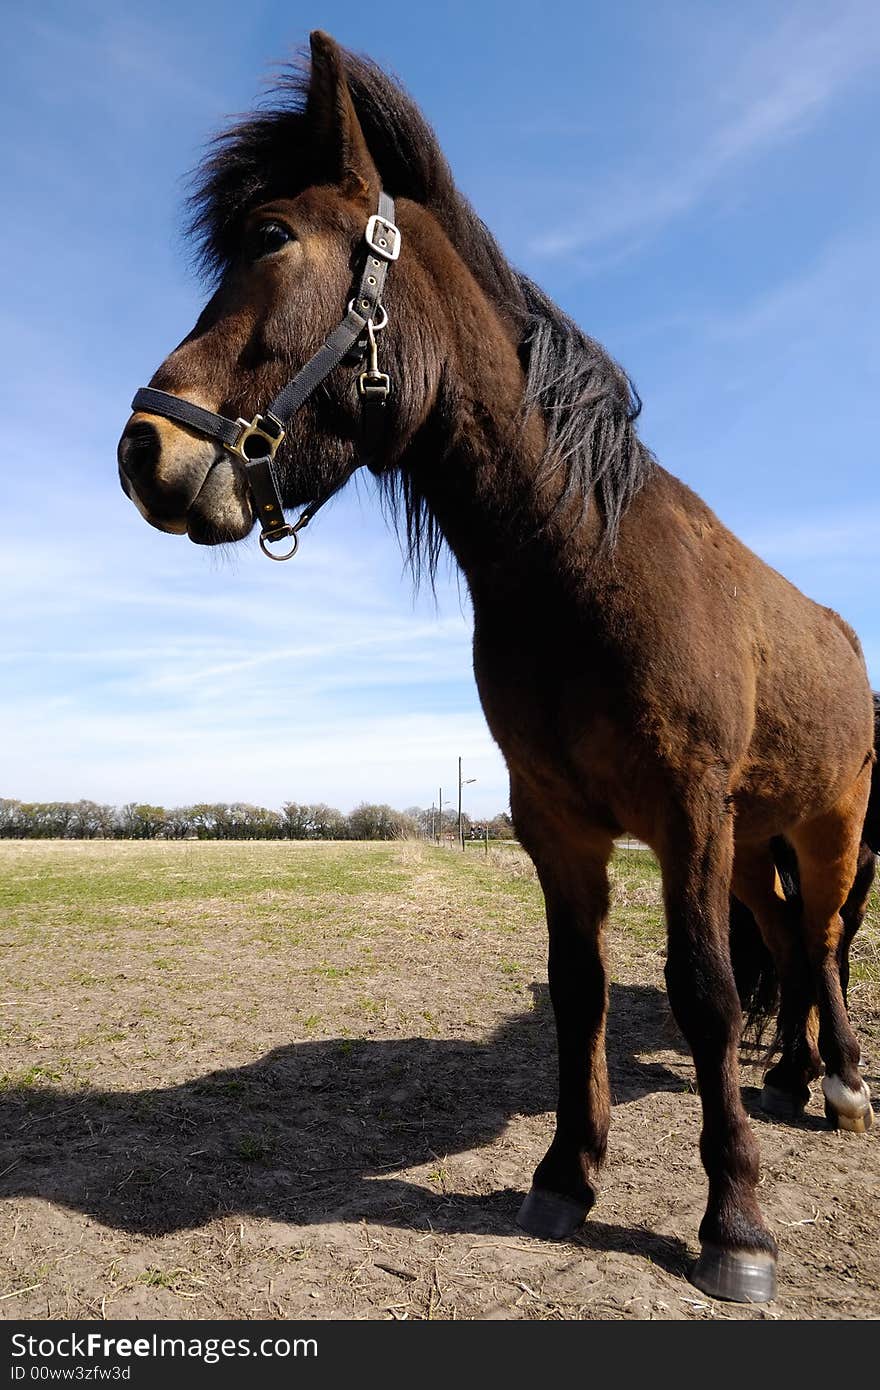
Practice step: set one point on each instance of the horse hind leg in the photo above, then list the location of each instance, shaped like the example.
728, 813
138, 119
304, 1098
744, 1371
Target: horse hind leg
756, 882
738, 1254
828, 851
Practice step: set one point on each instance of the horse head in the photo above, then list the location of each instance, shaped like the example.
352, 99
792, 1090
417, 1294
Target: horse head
287, 210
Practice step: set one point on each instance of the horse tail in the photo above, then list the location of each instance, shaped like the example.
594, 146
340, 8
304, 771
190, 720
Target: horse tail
871, 832
754, 973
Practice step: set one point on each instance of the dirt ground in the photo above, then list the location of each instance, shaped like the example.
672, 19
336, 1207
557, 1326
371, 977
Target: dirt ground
312, 1080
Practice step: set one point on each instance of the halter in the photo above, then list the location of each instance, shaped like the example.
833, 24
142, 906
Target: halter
256, 441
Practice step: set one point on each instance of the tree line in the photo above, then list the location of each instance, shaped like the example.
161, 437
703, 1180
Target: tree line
237, 820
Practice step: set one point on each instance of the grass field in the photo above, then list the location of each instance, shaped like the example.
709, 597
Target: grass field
294, 1079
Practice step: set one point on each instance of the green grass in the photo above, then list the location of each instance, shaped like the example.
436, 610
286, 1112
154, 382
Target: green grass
80, 876
179, 897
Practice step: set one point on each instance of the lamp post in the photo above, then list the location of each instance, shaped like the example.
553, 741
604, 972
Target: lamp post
440, 816
465, 783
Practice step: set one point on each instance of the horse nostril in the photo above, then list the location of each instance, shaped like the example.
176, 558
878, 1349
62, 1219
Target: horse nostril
139, 449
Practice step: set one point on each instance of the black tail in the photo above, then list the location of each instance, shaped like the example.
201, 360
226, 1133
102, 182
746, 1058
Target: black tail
755, 974
757, 983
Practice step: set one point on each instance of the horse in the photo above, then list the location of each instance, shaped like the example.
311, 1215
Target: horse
758, 984
638, 666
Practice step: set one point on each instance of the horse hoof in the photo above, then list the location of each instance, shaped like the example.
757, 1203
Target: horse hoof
739, 1276
782, 1105
855, 1124
847, 1109
549, 1215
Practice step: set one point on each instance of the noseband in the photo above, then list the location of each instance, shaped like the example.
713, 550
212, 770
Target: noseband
256, 441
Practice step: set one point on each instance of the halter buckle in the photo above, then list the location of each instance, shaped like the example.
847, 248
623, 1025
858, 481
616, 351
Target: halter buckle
264, 427
383, 238
279, 533
374, 386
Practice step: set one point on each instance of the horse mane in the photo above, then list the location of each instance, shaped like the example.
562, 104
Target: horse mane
587, 400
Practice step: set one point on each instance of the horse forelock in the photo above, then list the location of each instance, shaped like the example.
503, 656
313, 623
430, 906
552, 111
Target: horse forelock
268, 154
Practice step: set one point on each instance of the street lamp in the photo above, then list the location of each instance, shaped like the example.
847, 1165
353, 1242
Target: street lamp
440, 816
466, 783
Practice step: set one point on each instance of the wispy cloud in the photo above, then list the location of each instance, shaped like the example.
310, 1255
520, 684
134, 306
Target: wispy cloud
136, 666
833, 289
778, 89
282, 755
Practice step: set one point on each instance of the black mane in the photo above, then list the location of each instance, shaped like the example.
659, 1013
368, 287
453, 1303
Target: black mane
587, 400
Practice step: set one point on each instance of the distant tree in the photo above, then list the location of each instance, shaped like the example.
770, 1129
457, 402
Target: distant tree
255, 822
371, 822
447, 824
327, 823
88, 820
106, 822
424, 819
501, 827
13, 823
220, 820
295, 820
179, 823
313, 822
203, 821
143, 822
49, 820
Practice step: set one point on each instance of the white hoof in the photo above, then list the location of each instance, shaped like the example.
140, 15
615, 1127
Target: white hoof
852, 1109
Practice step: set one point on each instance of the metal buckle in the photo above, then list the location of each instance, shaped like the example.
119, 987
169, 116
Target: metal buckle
379, 323
373, 385
279, 533
264, 427
378, 243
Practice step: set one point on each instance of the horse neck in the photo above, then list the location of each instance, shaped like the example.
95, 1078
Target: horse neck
478, 463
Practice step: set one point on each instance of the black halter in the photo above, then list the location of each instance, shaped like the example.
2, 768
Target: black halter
255, 442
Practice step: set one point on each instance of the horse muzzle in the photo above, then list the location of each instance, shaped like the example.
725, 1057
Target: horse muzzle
183, 484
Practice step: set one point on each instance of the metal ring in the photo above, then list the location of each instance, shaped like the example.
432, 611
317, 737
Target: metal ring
271, 536
378, 324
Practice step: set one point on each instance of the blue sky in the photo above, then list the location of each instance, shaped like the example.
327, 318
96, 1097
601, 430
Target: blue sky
697, 184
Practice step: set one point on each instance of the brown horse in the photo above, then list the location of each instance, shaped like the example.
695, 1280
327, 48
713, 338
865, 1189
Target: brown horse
638, 666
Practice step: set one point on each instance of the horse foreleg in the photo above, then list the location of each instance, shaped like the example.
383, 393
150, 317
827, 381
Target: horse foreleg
565, 1181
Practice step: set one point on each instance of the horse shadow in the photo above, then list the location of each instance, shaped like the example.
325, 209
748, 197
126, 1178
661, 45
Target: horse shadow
313, 1132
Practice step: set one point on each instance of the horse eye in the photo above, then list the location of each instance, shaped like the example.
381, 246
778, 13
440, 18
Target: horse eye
266, 238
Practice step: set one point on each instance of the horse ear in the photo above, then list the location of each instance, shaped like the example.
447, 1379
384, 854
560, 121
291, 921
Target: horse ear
339, 141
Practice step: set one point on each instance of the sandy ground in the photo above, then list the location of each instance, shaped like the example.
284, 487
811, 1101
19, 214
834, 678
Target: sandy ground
313, 1081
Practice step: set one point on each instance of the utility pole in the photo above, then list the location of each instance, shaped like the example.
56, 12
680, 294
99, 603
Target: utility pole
460, 785
433, 836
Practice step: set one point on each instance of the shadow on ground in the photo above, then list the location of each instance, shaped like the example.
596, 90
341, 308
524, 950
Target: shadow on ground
312, 1132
